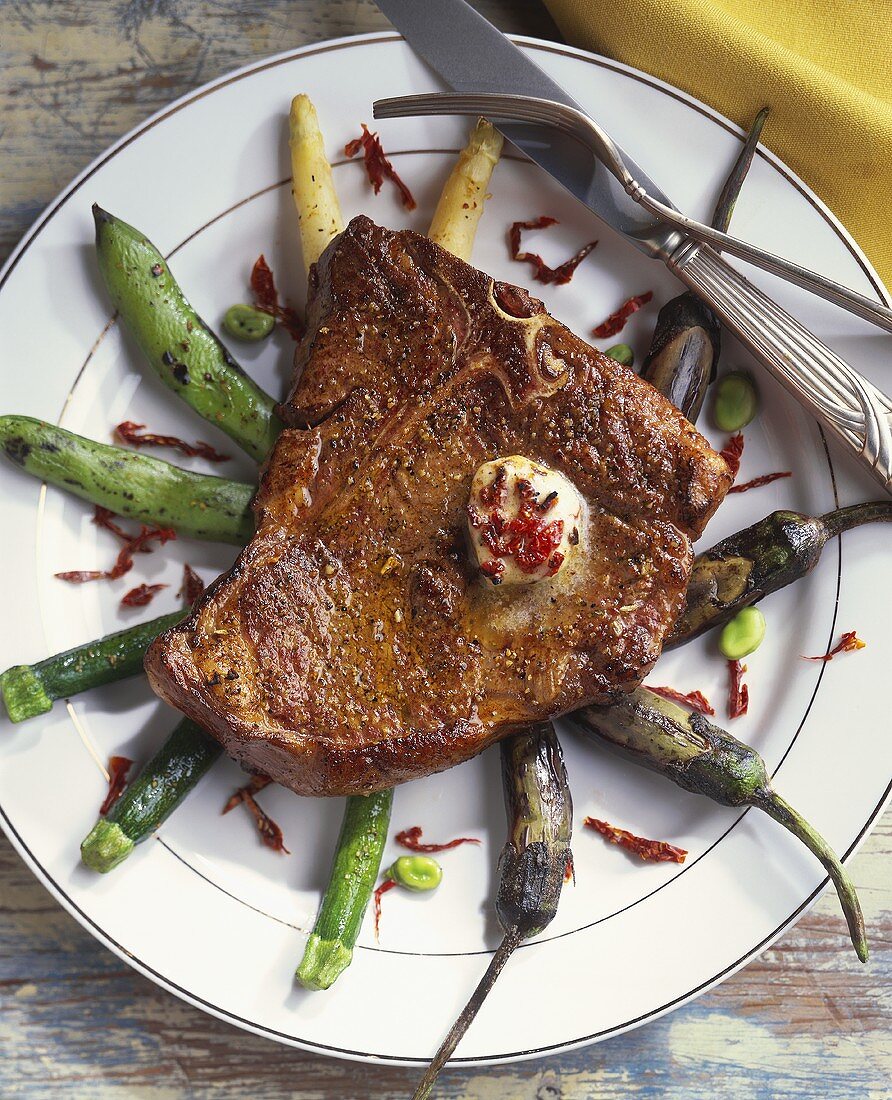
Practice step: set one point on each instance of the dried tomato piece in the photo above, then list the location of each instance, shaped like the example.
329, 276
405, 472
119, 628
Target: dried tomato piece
193, 586
542, 273
377, 166
263, 286
291, 322
266, 298
738, 692
616, 322
411, 839
695, 699
142, 595
269, 831
654, 851
133, 544
764, 479
104, 518
527, 538
380, 891
848, 643
118, 769
570, 870
129, 432
731, 453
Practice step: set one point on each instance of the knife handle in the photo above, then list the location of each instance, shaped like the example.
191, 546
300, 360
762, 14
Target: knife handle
843, 402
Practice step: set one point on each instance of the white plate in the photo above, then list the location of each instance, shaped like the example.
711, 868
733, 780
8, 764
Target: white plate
203, 909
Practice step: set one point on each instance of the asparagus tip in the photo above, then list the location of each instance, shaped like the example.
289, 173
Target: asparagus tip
105, 846
323, 961
23, 693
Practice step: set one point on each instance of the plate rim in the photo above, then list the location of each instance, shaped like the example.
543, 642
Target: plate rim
30, 236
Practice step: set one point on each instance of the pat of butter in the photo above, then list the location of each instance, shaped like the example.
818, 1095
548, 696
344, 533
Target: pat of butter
524, 520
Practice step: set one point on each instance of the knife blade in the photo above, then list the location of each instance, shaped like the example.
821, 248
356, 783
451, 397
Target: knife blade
471, 55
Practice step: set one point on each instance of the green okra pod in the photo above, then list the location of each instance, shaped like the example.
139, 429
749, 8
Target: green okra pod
704, 759
179, 347
128, 483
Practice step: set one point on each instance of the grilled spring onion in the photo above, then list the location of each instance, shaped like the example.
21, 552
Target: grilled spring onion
686, 342
742, 569
354, 869
532, 864
177, 344
155, 793
130, 484
702, 758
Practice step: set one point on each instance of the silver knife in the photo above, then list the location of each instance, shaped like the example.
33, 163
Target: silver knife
472, 56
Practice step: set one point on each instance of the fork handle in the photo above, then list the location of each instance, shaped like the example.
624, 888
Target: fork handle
841, 400
840, 295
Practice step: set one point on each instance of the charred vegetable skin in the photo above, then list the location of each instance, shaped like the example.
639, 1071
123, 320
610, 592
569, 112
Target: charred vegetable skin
179, 347
742, 569
29, 690
702, 758
532, 864
540, 826
354, 869
130, 484
155, 793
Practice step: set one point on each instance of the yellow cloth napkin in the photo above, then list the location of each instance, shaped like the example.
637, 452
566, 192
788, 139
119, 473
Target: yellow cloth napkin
824, 67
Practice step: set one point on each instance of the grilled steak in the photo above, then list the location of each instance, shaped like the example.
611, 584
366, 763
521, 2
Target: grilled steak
355, 644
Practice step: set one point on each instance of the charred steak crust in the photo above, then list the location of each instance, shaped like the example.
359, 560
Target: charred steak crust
353, 646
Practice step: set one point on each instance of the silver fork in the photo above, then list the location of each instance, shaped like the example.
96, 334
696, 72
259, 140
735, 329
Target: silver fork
848, 406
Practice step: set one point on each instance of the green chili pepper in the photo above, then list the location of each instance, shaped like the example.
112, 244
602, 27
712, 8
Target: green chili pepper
736, 402
622, 353
248, 323
418, 873
177, 344
743, 634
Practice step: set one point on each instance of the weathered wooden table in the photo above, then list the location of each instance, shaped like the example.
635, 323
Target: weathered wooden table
806, 1020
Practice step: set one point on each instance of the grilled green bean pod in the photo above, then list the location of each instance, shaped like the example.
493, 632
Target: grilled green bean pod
686, 343
769, 555
704, 759
532, 865
130, 484
177, 344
